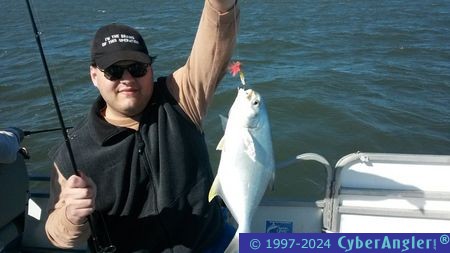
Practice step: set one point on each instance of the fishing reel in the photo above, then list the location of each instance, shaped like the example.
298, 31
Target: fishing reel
99, 242
107, 249
96, 247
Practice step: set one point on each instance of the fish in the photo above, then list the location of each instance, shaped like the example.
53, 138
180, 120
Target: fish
246, 166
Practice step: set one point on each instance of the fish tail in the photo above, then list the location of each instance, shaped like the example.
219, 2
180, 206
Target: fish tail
215, 189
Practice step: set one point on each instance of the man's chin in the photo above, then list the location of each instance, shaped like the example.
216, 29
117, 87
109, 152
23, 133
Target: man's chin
133, 111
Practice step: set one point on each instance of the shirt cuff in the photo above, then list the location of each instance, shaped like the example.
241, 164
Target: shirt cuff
227, 17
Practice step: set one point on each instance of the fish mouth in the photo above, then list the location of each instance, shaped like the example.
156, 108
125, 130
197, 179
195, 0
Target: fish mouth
252, 101
249, 93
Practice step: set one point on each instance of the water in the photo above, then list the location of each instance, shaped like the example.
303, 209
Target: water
338, 76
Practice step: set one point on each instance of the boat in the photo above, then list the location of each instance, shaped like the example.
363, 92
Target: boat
369, 193
365, 193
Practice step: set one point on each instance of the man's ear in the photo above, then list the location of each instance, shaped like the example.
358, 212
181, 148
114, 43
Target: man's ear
94, 75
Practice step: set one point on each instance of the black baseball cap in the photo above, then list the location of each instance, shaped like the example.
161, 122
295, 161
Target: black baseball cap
117, 42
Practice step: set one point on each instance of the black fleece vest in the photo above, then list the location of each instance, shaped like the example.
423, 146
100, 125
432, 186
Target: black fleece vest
152, 184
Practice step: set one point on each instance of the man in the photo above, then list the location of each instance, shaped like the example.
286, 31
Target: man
10, 140
144, 166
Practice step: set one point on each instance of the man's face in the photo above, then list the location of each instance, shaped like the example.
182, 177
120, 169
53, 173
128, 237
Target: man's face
128, 95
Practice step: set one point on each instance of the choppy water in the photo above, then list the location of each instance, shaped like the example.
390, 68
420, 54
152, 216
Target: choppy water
338, 76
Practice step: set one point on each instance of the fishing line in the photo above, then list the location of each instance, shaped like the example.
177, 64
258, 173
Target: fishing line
63, 102
94, 234
236, 31
235, 67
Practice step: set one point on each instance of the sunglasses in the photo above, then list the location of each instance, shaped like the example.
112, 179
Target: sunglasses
115, 72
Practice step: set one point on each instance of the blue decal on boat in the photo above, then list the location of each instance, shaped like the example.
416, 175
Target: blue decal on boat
278, 226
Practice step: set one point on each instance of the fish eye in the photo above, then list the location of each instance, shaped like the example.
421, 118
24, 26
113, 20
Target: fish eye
256, 102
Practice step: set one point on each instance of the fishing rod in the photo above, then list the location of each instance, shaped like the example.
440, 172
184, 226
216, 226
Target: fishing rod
97, 247
26, 133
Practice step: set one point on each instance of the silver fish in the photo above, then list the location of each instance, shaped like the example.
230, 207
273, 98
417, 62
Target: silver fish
247, 163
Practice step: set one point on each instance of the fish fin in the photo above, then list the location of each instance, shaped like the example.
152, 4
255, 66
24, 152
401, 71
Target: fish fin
224, 121
221, 143
249, 146
214, 190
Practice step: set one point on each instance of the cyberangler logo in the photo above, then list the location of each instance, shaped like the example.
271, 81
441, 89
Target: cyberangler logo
386, 242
